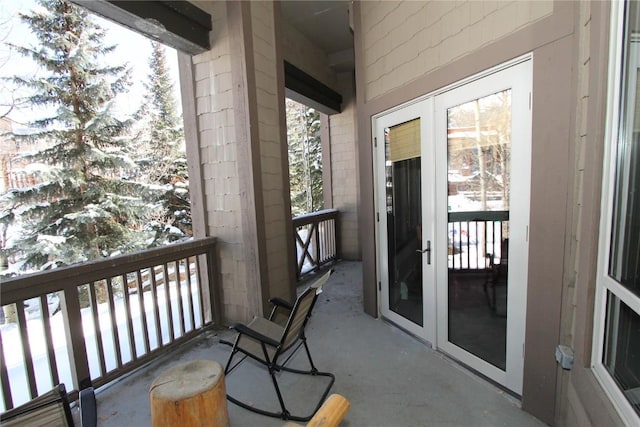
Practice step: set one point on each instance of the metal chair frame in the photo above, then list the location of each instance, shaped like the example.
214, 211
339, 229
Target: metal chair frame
273, 348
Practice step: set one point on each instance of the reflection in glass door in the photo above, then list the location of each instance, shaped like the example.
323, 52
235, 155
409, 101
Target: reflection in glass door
404, 210
478, 171
404, 219
483, 131
452, 219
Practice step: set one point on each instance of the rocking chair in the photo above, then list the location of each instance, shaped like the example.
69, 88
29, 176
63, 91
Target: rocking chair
267, 342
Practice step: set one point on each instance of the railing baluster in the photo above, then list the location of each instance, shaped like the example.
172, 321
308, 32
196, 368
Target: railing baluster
186, 300
482, 225
460, 241
486, 242
324, 240
201, 294
133, 351
179, 298
51, 354
97, 327
192, 315
468, 246
143, 311
320, 243
115, 334
334, 238
500, 245
4, 377
167, 300
26, 349
156, 306
316, 226
450, 229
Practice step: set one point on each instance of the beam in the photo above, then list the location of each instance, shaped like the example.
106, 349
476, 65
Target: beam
178, 24
303, 88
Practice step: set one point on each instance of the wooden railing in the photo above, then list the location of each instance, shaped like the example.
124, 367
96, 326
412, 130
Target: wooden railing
474, 236
316, 240
94, 322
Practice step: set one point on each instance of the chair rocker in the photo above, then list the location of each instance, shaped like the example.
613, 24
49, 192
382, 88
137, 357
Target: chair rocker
268, 342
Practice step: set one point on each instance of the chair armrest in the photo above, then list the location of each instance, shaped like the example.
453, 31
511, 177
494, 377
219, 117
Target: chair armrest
279, 302
243, 329
87, 405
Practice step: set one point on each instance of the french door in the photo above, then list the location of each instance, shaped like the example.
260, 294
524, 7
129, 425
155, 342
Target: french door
452, 219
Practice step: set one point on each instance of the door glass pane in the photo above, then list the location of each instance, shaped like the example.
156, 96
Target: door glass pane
478, 168
404, 216
624, 262
622, 348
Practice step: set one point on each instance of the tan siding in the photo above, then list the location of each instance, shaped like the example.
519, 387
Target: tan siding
344, 169
404, 40
262, 21
216, 123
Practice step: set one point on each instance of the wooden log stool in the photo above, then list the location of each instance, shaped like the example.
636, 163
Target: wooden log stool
190, 394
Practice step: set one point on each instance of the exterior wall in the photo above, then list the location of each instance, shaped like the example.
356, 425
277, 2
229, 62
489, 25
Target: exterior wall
344, 169
404, 50
582, 401
276, 208
404, 40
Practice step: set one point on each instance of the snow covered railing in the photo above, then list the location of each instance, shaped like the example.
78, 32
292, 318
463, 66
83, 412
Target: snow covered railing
474, 236
92, 323
316, 240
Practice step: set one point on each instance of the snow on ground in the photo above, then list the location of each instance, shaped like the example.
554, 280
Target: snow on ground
12, 342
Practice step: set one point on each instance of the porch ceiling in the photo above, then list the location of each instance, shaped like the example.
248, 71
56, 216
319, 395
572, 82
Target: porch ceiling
325, 23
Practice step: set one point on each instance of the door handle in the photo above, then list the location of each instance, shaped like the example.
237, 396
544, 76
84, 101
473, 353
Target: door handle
427, 251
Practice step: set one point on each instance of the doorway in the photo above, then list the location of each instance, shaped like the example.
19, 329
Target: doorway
452, 219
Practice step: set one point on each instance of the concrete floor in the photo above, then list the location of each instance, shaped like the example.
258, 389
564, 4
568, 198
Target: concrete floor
390, 378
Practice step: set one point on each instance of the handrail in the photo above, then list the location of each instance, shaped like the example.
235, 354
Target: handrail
133, 307
478, 216
35, 284
316, 240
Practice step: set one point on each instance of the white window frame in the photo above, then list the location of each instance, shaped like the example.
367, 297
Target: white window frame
604, 283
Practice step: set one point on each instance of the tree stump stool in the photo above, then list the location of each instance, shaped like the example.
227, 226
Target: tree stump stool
190, 394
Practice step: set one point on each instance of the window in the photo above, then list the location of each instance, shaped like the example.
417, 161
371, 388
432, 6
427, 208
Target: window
616, 358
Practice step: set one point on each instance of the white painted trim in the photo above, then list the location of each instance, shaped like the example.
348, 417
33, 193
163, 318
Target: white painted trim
518, 78
480, 75
413, 111
604, 283
515, 75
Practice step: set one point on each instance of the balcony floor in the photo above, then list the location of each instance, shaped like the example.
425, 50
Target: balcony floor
390, 378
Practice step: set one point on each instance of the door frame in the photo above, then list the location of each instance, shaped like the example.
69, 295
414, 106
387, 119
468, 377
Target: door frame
433, 327
518, 79
423, 110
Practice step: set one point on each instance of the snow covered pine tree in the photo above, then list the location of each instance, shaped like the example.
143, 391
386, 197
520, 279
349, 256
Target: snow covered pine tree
84, 206
163, 158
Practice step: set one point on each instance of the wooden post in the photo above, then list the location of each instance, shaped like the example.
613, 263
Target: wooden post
190, 394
